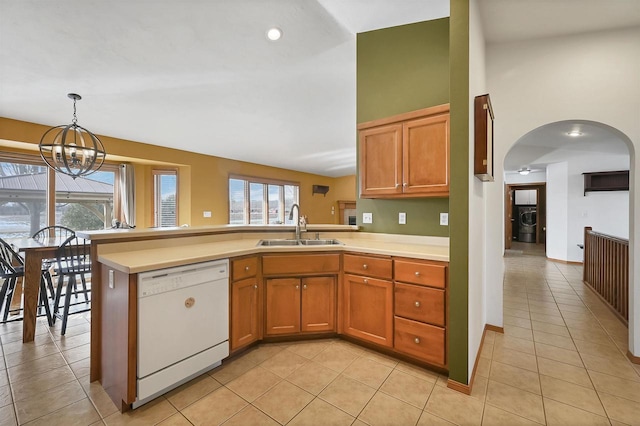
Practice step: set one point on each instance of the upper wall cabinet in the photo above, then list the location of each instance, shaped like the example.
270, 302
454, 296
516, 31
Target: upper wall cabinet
406, 155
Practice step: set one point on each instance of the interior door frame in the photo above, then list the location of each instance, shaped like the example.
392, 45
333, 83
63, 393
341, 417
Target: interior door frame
541, 194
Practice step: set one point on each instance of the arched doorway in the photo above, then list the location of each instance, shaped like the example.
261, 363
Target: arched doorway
553, 158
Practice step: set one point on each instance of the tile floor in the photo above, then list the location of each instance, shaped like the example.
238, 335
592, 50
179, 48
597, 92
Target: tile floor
559, 362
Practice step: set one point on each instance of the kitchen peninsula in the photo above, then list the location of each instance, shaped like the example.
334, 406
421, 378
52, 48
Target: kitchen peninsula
401, 279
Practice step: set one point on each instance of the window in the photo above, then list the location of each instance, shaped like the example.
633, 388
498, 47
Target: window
260, 201
23, 198
84, 203
165, 206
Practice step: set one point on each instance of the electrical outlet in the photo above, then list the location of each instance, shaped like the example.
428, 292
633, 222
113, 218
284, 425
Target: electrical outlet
206, 213
112, 278
402, 218
367, 217
444, 219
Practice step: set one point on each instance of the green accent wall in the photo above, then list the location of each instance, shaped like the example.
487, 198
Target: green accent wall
459, 195
406, 68
403, 69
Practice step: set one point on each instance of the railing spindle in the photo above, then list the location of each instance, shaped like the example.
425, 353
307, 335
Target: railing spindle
606, 269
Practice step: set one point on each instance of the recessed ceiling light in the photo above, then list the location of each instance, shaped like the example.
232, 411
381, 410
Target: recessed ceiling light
274, 33
574, 133
524, 171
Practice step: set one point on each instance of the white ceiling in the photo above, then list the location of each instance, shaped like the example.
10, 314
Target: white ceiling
551, 144
200, 75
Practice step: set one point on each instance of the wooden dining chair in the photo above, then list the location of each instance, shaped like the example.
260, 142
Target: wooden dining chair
48, 265
74, 262
12, 268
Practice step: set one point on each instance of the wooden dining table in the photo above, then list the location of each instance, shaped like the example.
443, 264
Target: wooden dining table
35, 251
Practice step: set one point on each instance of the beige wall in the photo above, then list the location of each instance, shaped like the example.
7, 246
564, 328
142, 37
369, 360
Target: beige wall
202, 179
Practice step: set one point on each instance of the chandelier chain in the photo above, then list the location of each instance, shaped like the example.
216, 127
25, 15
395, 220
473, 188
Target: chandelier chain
75, 118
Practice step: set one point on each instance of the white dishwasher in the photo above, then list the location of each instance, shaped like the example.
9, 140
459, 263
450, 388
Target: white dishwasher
183, 325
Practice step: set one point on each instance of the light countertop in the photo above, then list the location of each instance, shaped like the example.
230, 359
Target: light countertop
131, 260
180, 231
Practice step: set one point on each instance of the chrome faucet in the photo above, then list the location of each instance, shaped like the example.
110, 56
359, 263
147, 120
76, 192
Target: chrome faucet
294, 206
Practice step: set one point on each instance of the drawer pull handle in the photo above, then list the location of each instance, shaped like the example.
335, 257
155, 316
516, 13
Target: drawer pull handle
417, 304
417, 340
246, 268
189, 302
304, 287
365, 266
417, 274
366, 281
255, 286
297, 286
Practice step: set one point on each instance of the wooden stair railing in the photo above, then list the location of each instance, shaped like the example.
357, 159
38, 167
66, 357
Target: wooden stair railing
606, 269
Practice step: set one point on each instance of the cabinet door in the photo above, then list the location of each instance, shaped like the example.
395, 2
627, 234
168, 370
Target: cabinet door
368, 309
381, 161
244, 313
426, 155
318, 304
283, 306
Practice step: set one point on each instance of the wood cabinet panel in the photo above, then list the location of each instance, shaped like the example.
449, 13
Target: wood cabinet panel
381, 160
300, 264
318, 304
420, 303
119, 337
406, 155
423, 341
244, 268
368, 309
368, 265
283, 306
425, 153
245, 319
432, 274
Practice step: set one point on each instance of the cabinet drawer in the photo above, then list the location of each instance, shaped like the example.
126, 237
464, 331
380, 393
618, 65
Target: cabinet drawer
420, 303
300, 264
244, 268
431, 274
423, 341
367, 265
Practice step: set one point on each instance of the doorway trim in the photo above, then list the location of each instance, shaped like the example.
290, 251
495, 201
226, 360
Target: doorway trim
541, 194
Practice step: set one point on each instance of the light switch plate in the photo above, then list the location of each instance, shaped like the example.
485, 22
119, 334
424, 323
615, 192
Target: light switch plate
367, 217
402, 218
112, 278
444, 219
206, 213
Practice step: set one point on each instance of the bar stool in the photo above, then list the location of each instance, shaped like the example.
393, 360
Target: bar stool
74, 261
12, 268
55, 231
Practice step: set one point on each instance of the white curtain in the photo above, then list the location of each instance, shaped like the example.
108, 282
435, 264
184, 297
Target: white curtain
127, 195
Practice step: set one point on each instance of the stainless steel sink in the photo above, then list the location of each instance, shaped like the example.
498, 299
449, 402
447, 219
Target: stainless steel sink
278, 242
320, 242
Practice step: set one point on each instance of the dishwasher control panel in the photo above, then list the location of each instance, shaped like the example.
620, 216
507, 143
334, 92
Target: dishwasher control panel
165, 280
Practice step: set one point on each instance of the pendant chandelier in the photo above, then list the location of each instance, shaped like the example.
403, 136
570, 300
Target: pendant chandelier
71, 149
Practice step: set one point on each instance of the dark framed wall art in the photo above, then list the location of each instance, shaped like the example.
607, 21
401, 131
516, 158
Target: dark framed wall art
483, 131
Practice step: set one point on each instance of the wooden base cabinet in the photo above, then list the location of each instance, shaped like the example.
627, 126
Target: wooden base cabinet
246, 307
245, 319
420, 309
368, 309
296, 305
318, 304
